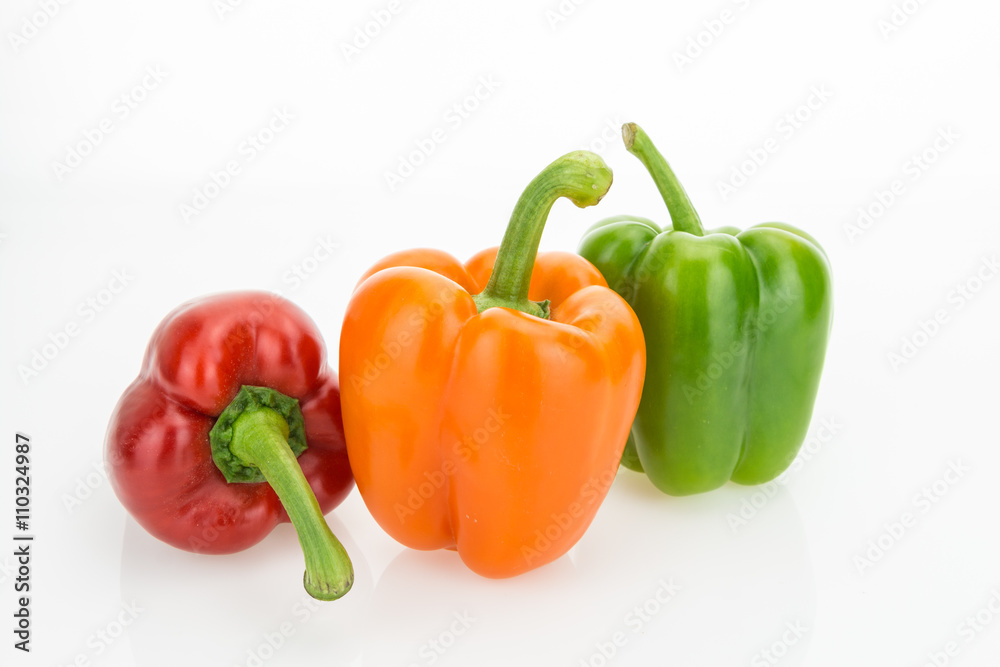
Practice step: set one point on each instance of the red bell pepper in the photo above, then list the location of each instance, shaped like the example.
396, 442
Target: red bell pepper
232, 427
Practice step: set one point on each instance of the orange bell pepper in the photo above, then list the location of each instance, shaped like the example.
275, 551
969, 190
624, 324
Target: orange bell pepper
486, 406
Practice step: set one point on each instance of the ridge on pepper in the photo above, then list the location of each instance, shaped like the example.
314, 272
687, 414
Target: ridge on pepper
496, 425
233, 426
736, 325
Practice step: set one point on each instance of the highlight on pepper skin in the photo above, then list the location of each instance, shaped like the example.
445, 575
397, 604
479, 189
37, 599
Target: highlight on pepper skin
233, 426
737, 324
486, 404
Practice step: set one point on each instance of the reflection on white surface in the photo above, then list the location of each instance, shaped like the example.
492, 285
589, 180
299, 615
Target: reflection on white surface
60, 244
760, 569
643, 587
655, 580
246, 609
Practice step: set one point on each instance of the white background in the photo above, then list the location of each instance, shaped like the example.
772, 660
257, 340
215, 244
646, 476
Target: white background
561, 81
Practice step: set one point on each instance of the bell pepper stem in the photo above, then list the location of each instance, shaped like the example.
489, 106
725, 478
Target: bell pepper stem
682, 213
580, 176
260, 439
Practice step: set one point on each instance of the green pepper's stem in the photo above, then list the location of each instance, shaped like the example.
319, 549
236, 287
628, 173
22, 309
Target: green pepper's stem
682, 213
584, 179
260, 439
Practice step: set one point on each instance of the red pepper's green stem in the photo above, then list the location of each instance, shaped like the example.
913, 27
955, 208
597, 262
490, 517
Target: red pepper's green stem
584, 179
260, 439
682, 213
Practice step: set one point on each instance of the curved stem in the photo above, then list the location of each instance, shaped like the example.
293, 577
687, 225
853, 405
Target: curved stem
260, 439
580, 176
682, 213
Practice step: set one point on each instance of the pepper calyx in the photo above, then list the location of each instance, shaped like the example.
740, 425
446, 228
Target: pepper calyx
248, 401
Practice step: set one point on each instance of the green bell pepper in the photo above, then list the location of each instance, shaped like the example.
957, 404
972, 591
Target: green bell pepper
736, 327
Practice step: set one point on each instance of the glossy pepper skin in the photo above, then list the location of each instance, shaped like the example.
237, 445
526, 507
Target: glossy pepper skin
244, 369
474, 425
736, 325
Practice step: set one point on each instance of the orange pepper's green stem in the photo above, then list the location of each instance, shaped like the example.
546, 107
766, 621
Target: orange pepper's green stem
260, 439
682, 213
580, 176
